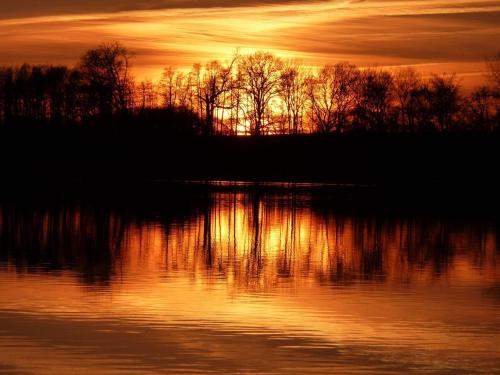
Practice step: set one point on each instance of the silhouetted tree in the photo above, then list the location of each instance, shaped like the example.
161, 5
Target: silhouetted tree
332, 96
374, 97
493, 66
23, 94
74, 100
263, 95
445, 100
293, 95
108, 83
215, 85
174, 88
261, 74
236, 100
4, 93
407, 85
146, 95
479, 110
56, 78
422, 99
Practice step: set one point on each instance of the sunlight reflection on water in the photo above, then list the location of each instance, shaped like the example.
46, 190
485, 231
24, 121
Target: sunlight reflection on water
245, 282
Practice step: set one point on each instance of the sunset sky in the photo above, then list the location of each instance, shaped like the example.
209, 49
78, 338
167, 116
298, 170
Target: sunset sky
435, 35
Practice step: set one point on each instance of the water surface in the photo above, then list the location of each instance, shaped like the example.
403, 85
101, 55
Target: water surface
251, 282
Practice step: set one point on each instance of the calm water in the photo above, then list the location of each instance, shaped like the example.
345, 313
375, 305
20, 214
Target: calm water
226, 282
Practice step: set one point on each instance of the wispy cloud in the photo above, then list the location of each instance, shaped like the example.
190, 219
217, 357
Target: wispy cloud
31, 8
445, 34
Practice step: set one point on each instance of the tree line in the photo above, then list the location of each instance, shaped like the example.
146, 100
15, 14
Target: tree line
256, 94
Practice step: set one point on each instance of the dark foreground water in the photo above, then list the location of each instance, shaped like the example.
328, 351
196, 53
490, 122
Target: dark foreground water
248, 282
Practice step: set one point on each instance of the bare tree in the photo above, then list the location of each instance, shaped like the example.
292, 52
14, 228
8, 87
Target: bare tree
493, 66
169, 85
23, 93
445, 100
346, 80
214, 85
236, 103
422, 106
320, 92
147, 95
479, 110
407, 83
261, 74
56, 78
293, 95
74, 97
36, 103
332, 95
3, 95
374, 99
6, 95
263, 96
178, 88
106, 71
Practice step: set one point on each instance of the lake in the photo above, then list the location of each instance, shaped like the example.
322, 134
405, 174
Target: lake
240, 280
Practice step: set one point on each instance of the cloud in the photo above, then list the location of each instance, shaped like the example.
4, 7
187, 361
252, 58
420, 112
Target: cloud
31, 8
439, 33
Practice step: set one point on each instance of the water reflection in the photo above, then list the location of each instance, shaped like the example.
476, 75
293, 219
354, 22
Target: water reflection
255, 240
255, 282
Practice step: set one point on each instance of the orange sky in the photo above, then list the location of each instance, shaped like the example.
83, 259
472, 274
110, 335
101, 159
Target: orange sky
436, 35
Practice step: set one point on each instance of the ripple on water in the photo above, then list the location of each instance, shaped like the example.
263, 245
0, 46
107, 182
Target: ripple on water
264, 284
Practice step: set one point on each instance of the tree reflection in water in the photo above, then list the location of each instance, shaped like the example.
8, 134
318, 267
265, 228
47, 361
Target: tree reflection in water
254, 240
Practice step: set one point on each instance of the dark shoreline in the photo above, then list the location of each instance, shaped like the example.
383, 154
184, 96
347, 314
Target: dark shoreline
409, 162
